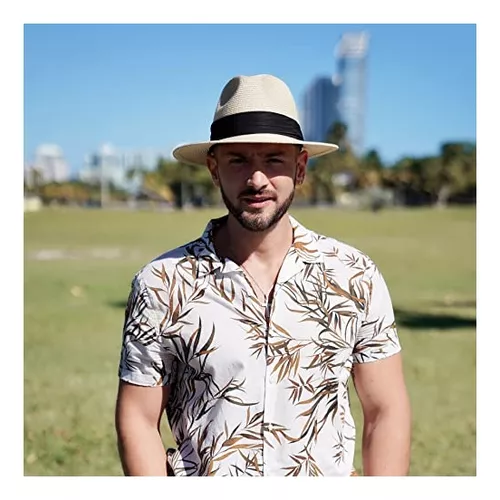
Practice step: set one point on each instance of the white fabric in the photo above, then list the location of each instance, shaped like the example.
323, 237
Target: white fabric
250, 396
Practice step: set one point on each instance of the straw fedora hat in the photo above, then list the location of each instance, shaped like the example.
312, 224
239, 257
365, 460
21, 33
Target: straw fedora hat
253, 109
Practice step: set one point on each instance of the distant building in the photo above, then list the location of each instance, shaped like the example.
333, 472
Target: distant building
340, 97
50, 164
351, 54
146, 159
111, 165
319, 109
104, 165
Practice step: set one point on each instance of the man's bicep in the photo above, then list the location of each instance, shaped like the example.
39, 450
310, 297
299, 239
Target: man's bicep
146, 403
380, 384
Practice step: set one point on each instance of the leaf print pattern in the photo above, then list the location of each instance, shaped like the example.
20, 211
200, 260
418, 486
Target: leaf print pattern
141, 337
256, 392
305, 464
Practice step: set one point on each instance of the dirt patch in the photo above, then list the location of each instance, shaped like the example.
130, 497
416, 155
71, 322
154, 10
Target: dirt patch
87, 254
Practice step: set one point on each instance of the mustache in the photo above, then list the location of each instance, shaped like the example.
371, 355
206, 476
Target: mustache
256, 192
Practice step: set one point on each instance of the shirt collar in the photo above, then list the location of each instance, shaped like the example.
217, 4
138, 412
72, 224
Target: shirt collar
304, 250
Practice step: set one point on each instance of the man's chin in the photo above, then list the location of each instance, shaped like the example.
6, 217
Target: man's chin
256, 221
259, 217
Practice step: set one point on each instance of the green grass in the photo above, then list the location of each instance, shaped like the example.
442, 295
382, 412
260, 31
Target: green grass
74, 311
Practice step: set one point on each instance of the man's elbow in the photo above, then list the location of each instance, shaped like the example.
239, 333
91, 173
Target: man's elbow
397, 411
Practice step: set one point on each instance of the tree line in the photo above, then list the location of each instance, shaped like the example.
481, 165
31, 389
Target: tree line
448, 177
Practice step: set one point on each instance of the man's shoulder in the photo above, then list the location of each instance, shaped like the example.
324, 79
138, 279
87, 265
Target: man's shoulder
338, 253
166, 264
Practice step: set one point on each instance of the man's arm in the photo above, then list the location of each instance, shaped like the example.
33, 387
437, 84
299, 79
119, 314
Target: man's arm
384, 399
137, 418
144, 372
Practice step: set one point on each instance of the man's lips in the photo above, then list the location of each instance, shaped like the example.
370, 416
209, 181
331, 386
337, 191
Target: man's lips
256, 198
256, 201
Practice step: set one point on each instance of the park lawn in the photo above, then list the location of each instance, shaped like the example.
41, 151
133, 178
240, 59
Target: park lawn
78, 265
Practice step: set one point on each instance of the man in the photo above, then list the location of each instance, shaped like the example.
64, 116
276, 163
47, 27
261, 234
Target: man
248, 336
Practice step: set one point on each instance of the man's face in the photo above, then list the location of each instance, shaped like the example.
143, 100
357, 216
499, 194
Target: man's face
257, 181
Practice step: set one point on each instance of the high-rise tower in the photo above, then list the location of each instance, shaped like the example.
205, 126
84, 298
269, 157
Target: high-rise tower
319, 109
351, 53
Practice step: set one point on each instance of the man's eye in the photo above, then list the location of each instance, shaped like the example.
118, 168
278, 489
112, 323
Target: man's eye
276, 160
236, 161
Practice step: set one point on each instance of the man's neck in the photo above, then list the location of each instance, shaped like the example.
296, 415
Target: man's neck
267, 247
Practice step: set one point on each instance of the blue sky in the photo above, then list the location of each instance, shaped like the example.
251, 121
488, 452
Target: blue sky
152, 87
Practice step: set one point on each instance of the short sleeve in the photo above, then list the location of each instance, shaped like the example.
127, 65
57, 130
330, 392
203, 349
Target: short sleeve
377, 337
144, 359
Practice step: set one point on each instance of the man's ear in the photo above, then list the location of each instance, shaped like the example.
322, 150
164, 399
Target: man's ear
301, 166
212, 167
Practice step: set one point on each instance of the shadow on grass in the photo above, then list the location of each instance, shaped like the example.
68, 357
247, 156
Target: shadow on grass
419, 321
118, 304
454, 303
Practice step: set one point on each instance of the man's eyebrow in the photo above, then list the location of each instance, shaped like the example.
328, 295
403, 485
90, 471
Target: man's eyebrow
276, 153
235, 153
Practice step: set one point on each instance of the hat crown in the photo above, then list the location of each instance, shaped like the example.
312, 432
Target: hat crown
256, 93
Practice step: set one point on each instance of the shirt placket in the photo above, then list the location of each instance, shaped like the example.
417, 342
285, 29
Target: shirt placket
269, 387
289, 269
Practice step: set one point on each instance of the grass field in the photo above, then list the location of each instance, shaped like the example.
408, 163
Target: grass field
78, 267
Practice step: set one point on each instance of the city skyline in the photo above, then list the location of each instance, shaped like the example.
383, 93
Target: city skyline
103, 162
414, 101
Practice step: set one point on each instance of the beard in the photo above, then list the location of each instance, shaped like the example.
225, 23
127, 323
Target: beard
254, 221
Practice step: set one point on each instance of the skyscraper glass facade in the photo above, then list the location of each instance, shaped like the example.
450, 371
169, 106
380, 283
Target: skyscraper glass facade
341, 97
351, 66
319, 109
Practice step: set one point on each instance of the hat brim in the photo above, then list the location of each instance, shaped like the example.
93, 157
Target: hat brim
196, 153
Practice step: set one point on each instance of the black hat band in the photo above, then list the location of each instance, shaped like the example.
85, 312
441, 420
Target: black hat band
255, 122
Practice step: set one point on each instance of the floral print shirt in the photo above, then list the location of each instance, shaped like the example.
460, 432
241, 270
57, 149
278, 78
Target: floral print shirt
258, 390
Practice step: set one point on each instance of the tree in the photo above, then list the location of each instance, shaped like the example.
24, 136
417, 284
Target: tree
458, 170
342, 163
372, 161
371, 170
37, 181
73, 192
436, 179
186, 183
154, 183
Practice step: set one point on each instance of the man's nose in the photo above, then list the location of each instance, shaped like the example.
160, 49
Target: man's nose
257, 177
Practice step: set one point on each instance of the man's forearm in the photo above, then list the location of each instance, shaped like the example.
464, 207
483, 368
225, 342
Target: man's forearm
386, 444
141, 451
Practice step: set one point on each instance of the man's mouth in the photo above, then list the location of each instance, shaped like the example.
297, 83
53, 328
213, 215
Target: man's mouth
256, 201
